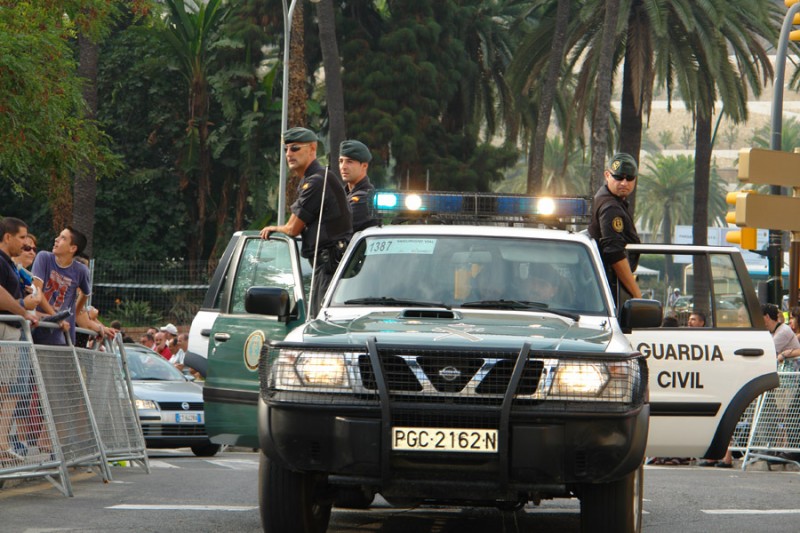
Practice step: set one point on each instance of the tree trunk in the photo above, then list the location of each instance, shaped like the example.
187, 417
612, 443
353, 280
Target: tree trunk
298, 94
702, 177
602, 106
85, 185
333, 78
547, 96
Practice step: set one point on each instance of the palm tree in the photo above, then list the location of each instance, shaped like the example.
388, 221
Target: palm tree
333, 77
191, 30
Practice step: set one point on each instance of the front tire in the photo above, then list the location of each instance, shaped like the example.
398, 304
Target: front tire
615, 506
291, 501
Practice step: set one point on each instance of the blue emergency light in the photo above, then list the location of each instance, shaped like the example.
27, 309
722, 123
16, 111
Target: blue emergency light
479, 204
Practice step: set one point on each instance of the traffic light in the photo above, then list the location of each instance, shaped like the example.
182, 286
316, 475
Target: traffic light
768, 211
794, 35
745, 237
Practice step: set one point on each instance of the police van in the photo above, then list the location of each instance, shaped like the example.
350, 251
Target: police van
486, 365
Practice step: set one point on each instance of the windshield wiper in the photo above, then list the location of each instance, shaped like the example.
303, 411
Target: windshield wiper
520, 304
388, 300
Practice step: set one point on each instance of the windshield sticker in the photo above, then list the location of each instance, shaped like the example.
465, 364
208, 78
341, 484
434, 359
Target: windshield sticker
400, 246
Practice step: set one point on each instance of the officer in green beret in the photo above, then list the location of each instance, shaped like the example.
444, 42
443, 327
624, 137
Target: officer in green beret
612, 226
354, 158
320, 214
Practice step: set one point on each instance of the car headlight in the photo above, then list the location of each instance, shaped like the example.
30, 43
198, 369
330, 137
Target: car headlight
579, 380
310, 369
146, 404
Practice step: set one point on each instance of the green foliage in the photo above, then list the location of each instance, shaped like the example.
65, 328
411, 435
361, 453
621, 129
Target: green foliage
132, 313
666, 138
43, 131
790, 135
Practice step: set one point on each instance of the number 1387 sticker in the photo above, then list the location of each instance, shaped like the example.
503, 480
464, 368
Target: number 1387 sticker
400, 246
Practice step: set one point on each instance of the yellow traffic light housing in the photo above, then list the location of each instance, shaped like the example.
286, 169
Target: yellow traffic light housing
746, 238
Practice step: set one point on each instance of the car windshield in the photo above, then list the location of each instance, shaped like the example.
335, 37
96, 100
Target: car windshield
471, 272
145, 364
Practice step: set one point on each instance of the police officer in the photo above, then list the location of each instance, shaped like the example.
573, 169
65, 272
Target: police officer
354, 158
612, 226
312, 215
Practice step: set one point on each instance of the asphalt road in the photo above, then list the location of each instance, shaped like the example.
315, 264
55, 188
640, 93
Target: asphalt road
188, 494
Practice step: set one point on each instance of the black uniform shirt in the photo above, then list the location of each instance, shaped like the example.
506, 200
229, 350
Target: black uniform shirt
9, 279
360, 198
612, 227
337, 222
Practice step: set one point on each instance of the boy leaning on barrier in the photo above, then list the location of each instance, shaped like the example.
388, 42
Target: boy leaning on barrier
59, 276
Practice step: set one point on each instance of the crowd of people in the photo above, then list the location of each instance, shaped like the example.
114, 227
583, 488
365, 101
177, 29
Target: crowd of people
52, 285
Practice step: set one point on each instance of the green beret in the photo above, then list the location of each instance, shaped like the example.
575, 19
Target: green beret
623, 163
355, 150
299, 135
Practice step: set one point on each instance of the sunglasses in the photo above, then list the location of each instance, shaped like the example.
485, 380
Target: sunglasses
28, 248
295, 147
620, 177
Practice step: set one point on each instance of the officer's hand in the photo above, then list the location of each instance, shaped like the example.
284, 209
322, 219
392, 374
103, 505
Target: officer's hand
266, 231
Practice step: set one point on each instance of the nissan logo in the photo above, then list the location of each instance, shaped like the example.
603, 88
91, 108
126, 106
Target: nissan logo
185, 406
449, 373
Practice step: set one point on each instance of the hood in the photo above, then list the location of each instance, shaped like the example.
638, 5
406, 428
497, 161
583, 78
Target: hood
168, 391
472, 329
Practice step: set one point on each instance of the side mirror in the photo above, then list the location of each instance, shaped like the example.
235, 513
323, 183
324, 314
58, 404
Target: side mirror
267, 301
640, 313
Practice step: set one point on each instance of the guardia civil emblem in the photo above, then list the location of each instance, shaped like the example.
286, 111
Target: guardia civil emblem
617, 224
615, 166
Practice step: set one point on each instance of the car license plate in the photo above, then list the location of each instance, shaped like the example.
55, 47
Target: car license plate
444, 439
191, 418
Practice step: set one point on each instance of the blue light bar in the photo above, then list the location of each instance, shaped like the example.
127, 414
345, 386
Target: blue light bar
480, 204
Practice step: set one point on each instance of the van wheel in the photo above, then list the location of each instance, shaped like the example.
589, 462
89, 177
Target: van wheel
291, 501
613, 507
208, 449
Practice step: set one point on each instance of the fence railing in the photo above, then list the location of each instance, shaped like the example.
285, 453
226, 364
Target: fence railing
62, 406
769, 429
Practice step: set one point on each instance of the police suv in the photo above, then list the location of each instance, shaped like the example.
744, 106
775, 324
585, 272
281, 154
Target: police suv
474, 364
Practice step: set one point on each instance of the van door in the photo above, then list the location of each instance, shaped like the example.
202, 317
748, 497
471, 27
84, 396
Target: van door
237, 337
701, 377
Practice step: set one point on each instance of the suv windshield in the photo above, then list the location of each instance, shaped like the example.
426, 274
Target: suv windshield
474, 272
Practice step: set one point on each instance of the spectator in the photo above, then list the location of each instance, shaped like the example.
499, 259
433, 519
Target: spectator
171, 331
116, 325
24, 260
162, 345
794, 321
670, 321
697, 319
14, 372
148, 340
59, 277
673, 298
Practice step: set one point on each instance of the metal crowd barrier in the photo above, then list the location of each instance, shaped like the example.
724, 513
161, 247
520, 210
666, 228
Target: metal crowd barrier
769, 429
62, 406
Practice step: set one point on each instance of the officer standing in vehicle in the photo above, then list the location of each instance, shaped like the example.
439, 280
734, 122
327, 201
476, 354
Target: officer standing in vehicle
322, 218
612, 227
354, 158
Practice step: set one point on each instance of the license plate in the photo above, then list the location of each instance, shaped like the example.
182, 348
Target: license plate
444, 439
191, 418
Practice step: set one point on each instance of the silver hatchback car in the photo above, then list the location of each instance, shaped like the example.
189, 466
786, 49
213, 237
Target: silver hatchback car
170, 406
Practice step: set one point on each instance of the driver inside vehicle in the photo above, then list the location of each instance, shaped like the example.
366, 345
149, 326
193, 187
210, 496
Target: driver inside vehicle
546, 285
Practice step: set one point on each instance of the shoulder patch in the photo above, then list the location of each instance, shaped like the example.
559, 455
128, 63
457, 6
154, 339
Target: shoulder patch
306, 186
355, 199
617, 224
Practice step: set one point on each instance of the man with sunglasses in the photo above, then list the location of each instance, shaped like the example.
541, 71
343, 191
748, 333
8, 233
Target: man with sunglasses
612, 226
312, 215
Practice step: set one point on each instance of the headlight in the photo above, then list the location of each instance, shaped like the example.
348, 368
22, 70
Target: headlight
146, 404
310, 369
579, 380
